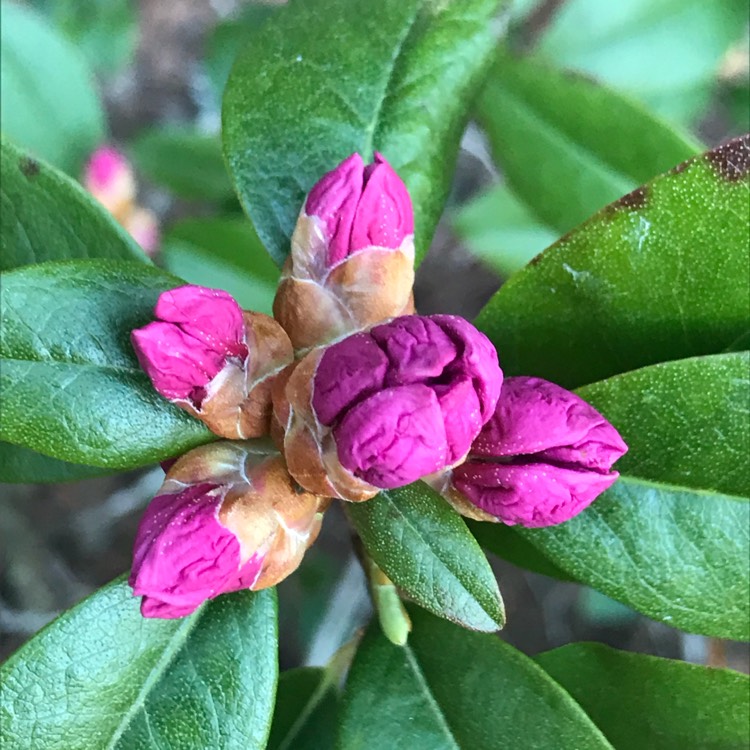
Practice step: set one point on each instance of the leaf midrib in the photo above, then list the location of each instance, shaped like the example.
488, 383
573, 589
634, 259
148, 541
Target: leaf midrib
454, 576
173, 646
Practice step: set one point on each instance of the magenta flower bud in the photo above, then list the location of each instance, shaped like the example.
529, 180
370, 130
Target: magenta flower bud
352, 259
543, 457
217, 362
382, 409
361, 206
228, 517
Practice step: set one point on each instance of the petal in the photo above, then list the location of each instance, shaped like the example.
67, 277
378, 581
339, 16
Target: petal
349, 371
333, 200
176, 362
384, 215
393, 438
531, 495
211, 316
183, 555
417, 349
462, 416
476, 359
535, 416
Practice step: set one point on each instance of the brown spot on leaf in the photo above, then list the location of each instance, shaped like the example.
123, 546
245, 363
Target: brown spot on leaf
681, 167
634, 200
732, 160
29, 166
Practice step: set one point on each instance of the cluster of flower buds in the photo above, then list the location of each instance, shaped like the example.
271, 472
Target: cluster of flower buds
109, 178
358, 393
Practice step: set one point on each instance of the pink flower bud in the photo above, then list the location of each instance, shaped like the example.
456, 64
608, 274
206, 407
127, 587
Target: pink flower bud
212, 359
352, 259
228, 517
543, 457
382, 409
143, 226
109, 178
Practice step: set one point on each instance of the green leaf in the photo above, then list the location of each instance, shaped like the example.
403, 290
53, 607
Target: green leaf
185, 161
323, 78
306, 711
668, 539
666, 52
48, 103
424, 547
102, 676
641, 701
224, 253
449, 689
104, 30
562, 165
659, 275
505, 542
20, 465
228, 37
70, 384
686, 422
501, 230
45, 215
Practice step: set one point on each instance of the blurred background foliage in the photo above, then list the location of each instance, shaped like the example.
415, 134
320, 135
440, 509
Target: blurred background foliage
598, 98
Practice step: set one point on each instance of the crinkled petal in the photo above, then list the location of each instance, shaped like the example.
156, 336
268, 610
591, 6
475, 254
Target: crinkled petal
532, 495
416, 347
349, 371
476, 359
535, 416
462, 417
393, 438
182, 554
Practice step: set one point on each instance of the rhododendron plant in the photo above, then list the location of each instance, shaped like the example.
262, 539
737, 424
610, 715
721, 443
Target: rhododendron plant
420, 355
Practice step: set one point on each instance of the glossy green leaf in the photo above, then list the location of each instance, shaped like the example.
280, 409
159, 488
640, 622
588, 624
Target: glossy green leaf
45, 215
20, 465
661, 274
424, 547
322, 79
568, 146
70, 384
501, 230
185, 161
101, 676
306, 711
671, 538
449, 689
224, 253
228, 37
104, 30
666, 52
686, 422
48, 101
641, 701
505, 542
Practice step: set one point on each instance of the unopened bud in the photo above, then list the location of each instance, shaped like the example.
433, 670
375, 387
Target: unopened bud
352, 258
385, 408
543, 457
109, 178
212, 359
228, 517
